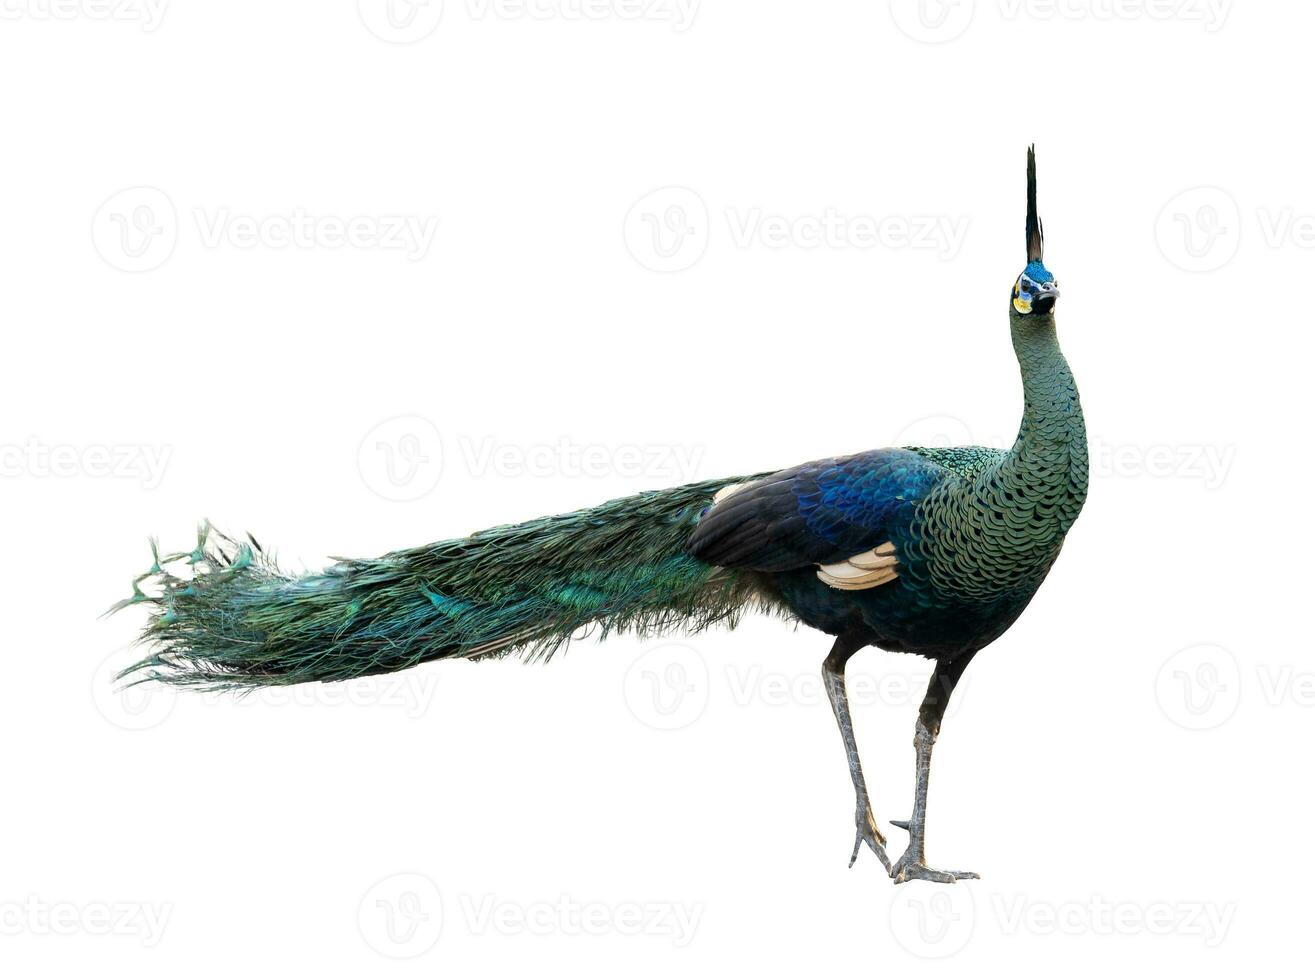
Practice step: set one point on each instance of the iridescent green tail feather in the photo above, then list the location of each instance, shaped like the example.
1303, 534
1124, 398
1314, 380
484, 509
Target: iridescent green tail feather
225, 616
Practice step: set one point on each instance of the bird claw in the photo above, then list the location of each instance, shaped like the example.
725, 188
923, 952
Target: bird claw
901, 824
867, 831
909, 868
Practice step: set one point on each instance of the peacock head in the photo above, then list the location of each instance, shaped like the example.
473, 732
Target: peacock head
1036, 290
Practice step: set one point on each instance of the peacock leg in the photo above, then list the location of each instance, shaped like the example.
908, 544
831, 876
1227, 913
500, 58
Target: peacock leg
912, 864
833, 675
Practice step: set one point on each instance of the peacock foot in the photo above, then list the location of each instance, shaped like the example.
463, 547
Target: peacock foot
910, 868
869, 833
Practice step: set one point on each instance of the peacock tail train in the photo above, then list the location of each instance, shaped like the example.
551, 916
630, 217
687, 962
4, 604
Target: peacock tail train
225, 616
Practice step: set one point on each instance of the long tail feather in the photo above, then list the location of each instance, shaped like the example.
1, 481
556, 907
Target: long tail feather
225, 616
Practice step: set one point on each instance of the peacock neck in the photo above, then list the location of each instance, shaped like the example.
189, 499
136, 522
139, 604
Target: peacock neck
1048, 461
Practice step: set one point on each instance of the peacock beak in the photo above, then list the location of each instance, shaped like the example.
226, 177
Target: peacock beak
1044, 300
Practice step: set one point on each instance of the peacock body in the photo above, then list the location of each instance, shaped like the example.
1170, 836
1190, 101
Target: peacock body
920, 550
969, 533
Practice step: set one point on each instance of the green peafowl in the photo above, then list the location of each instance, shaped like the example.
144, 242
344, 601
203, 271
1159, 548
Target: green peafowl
928, 551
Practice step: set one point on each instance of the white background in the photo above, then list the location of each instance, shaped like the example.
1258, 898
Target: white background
173, 353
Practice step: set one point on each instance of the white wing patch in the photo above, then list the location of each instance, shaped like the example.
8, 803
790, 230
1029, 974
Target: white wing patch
727, 491
865, 571
862, 571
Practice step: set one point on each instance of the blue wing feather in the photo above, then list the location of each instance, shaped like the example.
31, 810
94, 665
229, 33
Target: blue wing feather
817, 513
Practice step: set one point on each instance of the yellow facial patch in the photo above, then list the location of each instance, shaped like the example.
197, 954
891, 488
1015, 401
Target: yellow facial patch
1022, 303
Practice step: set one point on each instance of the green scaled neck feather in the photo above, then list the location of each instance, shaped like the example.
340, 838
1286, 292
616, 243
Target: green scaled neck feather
1047, 465
989, 532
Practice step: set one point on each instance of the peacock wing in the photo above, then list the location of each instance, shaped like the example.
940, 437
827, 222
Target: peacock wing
835, 514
